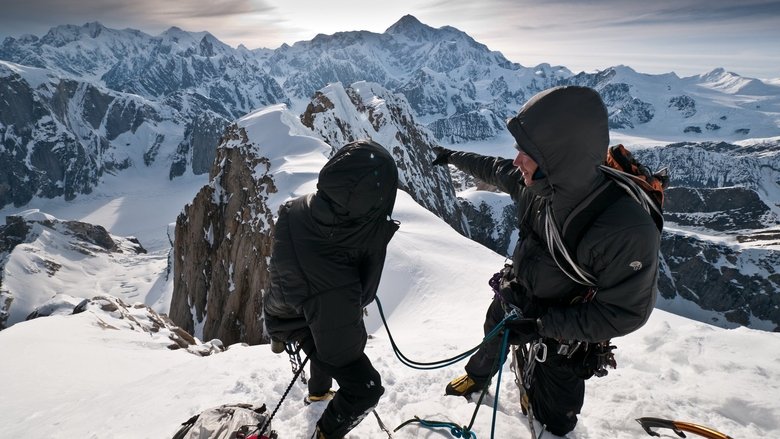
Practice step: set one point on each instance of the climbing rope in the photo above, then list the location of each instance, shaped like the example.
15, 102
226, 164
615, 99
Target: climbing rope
421, 365
295, 377
456, 430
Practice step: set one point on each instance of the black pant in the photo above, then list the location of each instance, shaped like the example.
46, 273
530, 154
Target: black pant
360, 388
556, 395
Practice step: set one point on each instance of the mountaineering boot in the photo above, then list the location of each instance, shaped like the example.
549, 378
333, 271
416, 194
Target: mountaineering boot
327, 396
463, 386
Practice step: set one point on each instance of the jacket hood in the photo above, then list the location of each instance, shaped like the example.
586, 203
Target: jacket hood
359, 182
565, 130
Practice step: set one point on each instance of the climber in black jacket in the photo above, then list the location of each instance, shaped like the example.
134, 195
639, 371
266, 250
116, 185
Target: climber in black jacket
328, 253
562, 137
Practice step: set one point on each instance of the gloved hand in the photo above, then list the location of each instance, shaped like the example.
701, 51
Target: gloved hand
442, 155
522, 331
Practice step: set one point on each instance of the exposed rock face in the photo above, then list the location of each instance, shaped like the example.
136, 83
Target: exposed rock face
223, 240
742, 284
721, 209
492, 225
686, 105
373, 112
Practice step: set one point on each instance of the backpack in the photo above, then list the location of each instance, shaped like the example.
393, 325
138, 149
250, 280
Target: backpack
229, 421
626, 175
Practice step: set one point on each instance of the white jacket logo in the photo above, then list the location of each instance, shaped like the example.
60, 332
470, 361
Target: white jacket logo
636, 265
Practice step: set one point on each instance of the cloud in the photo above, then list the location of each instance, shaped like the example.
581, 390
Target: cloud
37, 16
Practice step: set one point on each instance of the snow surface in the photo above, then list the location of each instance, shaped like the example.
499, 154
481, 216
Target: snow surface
69, 376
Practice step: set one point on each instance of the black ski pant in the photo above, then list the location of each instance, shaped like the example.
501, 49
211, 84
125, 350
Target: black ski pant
556, 394
360, 388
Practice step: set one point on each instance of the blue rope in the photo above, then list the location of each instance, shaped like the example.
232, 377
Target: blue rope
455, 430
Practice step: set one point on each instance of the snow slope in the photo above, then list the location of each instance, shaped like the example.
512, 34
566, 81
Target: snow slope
71, 376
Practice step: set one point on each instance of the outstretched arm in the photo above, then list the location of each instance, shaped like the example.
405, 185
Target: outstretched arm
496, 171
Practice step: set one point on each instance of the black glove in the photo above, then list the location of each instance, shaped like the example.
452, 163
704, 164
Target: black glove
442, 155
522, 331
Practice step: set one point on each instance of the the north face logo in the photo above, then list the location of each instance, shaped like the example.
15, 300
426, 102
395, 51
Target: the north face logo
636, 265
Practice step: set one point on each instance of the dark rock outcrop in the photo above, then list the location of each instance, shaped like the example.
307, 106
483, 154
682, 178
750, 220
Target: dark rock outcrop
112, 313
722, 209
223, 240
740, 284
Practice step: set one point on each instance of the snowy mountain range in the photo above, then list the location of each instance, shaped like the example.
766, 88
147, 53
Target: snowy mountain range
83, 101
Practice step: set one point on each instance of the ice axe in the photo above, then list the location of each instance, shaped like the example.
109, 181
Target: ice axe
678, 427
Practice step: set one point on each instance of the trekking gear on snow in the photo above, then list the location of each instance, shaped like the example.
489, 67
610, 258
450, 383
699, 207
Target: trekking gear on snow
678, 427
382, 425
229, 421
294, 351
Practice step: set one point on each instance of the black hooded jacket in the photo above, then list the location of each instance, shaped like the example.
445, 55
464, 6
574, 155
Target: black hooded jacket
328, 254
564, 129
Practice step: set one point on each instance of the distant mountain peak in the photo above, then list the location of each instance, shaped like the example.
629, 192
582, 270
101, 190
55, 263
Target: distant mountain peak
409, 25
94, 28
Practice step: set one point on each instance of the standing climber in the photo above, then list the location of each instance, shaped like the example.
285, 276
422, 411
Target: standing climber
328, 253
561, 138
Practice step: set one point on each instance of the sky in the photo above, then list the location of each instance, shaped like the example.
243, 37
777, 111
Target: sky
687, 37
112, 379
